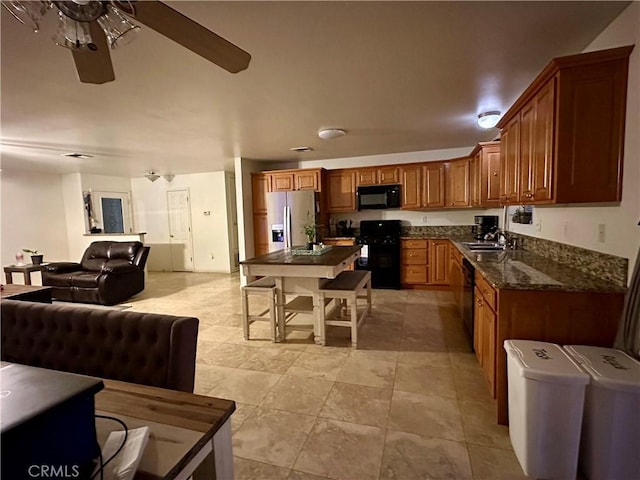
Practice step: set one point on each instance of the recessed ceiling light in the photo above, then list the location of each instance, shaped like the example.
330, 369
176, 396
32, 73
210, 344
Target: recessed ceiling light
488, 120
76, 155
301, 149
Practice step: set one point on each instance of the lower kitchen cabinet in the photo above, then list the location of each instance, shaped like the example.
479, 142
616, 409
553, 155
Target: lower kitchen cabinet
424, 263
562, 317
484, 337
414, 260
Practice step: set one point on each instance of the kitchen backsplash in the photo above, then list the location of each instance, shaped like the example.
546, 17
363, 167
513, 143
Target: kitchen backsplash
437, 231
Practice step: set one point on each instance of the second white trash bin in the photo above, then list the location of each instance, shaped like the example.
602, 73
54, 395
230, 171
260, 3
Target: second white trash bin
546, 399
610, 445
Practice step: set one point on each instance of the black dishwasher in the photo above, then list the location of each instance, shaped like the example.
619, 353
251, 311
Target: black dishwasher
468, 273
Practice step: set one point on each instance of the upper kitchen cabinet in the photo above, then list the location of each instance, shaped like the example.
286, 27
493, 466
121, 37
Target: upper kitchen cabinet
260, 184
485, 175
289, 180
341, 186
378, 176
411, 181
433, 184
457, 190
562, 140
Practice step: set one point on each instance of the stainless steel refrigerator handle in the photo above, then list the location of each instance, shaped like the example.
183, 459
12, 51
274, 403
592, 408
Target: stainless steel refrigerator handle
287, 227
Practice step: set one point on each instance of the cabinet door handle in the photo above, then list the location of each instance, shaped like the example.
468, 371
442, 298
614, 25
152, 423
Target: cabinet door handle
495, 174
479, 302
452, 204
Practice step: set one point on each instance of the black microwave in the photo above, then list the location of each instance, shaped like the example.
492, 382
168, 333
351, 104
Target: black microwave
378, 196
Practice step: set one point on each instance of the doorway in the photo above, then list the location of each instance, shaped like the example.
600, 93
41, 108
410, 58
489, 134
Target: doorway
180, 239
113, 211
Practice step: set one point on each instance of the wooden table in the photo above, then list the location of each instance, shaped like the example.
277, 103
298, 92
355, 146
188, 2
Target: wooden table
190, 434
300, 274
30, 293
26, 270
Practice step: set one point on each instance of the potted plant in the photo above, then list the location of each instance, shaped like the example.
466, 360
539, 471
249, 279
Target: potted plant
309, 229
36, 258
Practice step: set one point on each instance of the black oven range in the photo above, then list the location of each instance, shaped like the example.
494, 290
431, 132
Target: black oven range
380, 254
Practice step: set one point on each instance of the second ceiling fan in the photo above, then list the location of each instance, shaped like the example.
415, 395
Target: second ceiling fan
89, 27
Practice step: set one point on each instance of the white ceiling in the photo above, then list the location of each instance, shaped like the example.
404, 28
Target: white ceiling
398, 76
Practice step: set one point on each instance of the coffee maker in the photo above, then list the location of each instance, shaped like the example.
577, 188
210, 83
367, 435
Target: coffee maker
484, 224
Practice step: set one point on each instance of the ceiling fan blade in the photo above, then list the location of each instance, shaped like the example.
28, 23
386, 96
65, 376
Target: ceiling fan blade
94, 66
172, 24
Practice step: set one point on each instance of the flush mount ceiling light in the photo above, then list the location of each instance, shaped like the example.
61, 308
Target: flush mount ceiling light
488, 120
331, 133
151, 176
168, 177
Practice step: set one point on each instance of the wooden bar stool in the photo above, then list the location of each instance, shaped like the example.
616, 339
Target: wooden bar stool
264, 287
345, 289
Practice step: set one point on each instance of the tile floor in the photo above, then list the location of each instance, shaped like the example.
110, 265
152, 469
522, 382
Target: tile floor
410, 403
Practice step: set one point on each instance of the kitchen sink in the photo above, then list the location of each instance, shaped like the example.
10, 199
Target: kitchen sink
483, 246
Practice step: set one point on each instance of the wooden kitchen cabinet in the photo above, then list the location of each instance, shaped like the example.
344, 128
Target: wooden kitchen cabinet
510, 162
484, 335
562, 140
341, 195
424, 262
433, 184
485, 175
282, 182
378, 176
457, 189
414, 259
562, 317
301, 179
438, 262
260, 184
411, 181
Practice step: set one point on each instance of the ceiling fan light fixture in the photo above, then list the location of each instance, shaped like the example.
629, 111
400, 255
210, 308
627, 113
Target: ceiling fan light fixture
151, 176
72, 34
488, 120
27, 12
169, 177
118, 29
331, 133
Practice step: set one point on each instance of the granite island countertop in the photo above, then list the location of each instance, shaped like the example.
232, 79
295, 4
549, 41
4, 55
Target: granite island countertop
284, 257
524, 270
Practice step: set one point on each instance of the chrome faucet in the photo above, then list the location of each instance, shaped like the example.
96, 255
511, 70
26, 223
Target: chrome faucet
502, 237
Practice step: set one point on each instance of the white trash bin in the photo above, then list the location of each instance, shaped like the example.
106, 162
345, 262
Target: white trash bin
610, 444
546, 398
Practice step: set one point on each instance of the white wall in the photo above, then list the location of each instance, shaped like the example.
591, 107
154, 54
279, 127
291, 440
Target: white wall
33, 216
207, 192
578, 225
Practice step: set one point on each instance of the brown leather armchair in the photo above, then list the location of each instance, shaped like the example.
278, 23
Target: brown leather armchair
109, 273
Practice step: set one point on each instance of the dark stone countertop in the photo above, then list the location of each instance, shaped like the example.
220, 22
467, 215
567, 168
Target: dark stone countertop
524, 270
333, 257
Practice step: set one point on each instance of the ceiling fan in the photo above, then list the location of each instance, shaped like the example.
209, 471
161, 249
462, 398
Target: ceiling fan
89, 27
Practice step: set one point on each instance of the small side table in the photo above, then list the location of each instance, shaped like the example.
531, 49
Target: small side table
24, 269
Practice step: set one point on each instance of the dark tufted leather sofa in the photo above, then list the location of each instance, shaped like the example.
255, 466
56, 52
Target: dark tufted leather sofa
144, 348
109, 273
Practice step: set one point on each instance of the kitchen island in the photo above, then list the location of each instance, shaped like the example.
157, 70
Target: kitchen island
301, 275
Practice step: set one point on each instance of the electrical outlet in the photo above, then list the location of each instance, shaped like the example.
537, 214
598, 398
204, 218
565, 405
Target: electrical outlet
538, 226
601, 232
565, 228
212, 256
424, 219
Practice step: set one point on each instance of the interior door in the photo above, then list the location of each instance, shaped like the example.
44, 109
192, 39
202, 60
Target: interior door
180, 240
